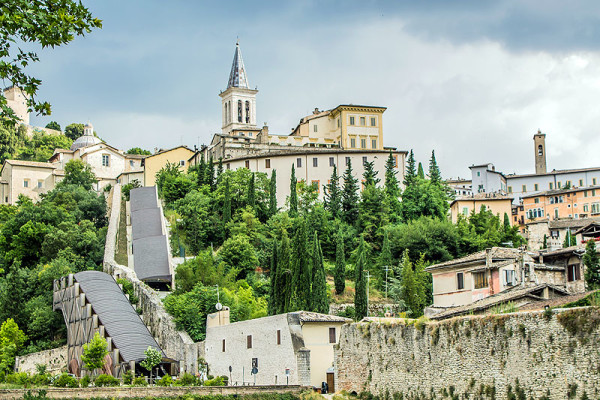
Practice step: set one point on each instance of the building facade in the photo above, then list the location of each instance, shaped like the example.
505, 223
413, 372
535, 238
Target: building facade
152, 164
497, 203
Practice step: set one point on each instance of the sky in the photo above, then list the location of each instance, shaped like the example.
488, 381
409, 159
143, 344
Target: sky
472, 80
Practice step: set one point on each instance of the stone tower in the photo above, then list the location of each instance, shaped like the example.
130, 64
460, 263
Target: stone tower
17, 100
238, 100
539, 141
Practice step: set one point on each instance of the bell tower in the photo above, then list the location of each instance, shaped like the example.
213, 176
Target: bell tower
539, 141
238, 100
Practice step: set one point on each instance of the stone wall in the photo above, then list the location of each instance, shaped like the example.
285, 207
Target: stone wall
55, 361
374, 309
148, 392
176, 344
553, 354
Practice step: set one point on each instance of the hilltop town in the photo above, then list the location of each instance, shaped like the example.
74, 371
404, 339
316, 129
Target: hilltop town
319, 261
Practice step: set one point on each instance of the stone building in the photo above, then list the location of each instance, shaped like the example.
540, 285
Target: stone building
294, 348
16, 99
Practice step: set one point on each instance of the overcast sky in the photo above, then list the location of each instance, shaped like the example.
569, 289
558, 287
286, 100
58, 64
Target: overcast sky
473, 80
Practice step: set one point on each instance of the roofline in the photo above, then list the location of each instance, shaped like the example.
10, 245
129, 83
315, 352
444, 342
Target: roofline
167, 150
49, 166
555, 172
481, 199
324, 151
559, 191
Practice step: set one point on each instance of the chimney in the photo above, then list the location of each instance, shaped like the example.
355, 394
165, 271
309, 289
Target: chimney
488, 258
316, 110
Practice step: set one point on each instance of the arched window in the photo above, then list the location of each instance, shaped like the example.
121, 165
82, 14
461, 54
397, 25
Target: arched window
247, 112
239, 111
540, 150
226, 114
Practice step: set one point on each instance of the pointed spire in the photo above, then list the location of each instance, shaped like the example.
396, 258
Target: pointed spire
237, 76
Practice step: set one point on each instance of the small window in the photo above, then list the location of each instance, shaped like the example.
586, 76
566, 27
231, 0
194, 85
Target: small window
40, 184
396, 161
593, 181
585, 193
223, 348
573, 273
247, 164
268, 163
249, 341
593, 192
352, 143
364, 160
278, 336
465, 211
105, 160
351, 120
26, 183
510, 189
317, 184
558, 185
540, 150
536, 187
363, 121
509, 277
315, 128
298, 162
363, 143
373, 121
347, 161
331, 335
374, 143
331, 161
478, 173
338, 122
460, 281
581, 182
315, 162
536, 200
182, 163
524, 187
228, 166
480, 280
131, 163
550, 185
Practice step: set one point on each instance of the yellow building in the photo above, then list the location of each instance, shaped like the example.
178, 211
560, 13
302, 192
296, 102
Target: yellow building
154, 163
497, 203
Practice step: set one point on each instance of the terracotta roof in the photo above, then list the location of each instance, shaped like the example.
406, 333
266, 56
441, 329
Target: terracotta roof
63, 151
498, 254
307, 316
482, 196
556, 302
590, 222
560, 191
36, 164
571, 222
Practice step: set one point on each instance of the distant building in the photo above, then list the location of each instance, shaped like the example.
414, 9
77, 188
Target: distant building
154, 163
16, 99
498, 204
553, 232
294, 348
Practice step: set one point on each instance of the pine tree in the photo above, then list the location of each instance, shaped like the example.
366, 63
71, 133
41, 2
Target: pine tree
340, 264
333, 195
227, 203
409, 285
412, 203
410, 177
284, 290
350, 196
273, 194
293, 194
592, 264
251, 192
570, 240
360, 283
392, 189
273, 300
420, 172
318, 298
545, 242
370, 174
201, 171
434, 171
301, 268
210, 174
219, 170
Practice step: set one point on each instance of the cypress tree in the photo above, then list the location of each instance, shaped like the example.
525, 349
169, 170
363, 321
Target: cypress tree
392, 189
350, 196
545, 243
333, 195
252, 192
201, 171
284, 290
385, 258
273, 300
273, 194
411, 205
219, 170
420, 172
592, 263
293, 194
410, 177
370, 174
301, 265
318, 298
227, 203
360, 283
210, 174
434, 171
340, 264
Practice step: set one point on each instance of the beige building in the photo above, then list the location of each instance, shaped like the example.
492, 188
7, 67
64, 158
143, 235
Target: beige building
16, 99
294, 348
497, 203
28, 178
154, 163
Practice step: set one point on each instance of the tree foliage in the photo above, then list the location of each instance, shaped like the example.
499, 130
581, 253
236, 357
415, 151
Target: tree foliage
94, 352
592, 264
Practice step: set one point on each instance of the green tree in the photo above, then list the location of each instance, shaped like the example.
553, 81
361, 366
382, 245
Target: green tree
210, 173
219, 170
385, 259
273, 299
74, 131
293, 194
420, 172
94, 353
318, 299
410, 197
360, 281
302, 276
592, 264
273, 194
370, 174
11, 341
227, 203
153, 358
251, 192
139, 151
284, 289
36, 22
333, 195
53, 125
350, 197
237, 252
78, 173
392, 189
570, 240
340, 264
434, 171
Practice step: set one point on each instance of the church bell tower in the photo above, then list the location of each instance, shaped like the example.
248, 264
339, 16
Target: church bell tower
238, 100
539, 140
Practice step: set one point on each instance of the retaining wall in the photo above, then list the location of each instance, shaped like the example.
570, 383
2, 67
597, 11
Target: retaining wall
55, 361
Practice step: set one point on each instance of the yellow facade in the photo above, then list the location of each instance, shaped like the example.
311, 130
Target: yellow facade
466, 205
360, 126
317, 340
154, 163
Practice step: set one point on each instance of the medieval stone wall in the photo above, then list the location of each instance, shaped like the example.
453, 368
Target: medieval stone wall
55, 361
544, 355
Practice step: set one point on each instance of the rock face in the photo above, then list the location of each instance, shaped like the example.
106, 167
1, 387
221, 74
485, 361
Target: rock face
536, 354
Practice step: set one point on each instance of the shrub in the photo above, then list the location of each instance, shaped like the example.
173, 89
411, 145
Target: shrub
85, 381
218, 381
40, 380
140, 381
165, 381
106, 380
187, 379
66, 380
18, 378
127, 377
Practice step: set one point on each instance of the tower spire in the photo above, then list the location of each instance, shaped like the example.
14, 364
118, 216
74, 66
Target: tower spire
237, 76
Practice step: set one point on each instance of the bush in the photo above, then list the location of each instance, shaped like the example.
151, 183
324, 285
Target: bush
140, 381
187, 379
165, 381
66, 380
85, 381
18, 378
40, 380
106, 380
128, 377
218, 381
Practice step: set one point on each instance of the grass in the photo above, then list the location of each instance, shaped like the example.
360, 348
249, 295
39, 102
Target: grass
121, 251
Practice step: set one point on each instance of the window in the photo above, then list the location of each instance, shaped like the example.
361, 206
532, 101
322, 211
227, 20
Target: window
363, 143
593, 181
278, 336
247, 164
248, 112
480, 279
556, 213
593, 192
249, 134
536, 200
268, 163
331, 161
509, 277
223, 346
568, 183
181, 163
331, 335
524, 187
558, 185
131, 163
573, 273
374, 143
315, 162
314, 128
352, 143
239, 111
396, 161
363, 121
373, 121
347, 161
40, 184
581, 182
585, 193
228, 166
465, 211
351, 120
586, 208
249, 341
338, 122
460, 281
105, 160
364, 160
540, 150
550, 185
510, 189
478, 173
26, 183
298, 162
595, 208
535, 186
